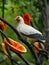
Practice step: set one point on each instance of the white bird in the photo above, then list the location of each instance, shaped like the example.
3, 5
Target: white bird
28, 31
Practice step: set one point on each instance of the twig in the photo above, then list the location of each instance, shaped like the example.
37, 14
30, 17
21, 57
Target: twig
3, 8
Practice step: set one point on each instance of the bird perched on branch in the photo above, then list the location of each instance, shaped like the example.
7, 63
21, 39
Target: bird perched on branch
27, 20
28, 31
38, 47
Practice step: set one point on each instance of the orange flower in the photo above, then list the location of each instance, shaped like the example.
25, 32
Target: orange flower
15, 46
36, 44
27, 18
2, 26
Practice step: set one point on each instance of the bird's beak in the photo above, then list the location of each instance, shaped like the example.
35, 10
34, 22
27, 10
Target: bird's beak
17, 19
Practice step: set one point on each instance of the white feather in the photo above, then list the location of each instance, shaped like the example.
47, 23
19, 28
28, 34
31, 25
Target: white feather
26, 29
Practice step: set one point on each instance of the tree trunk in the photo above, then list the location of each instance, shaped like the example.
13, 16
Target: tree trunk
46, 19
44, 14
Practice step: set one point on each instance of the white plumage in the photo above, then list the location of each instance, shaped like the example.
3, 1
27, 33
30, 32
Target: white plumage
26, 29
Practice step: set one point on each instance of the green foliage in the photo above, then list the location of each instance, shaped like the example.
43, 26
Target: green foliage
20, 7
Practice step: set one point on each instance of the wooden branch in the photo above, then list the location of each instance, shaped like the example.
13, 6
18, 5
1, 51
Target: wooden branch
3, 8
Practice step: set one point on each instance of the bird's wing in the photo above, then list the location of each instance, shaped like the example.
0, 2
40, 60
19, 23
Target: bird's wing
28, 30
35, 36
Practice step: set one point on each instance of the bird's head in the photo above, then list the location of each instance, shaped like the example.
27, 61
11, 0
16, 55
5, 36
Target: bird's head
19, 18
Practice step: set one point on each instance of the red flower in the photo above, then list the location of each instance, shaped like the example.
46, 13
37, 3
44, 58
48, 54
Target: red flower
2, 26
27, 18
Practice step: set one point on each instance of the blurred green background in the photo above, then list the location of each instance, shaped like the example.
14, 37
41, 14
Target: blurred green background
12, 8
